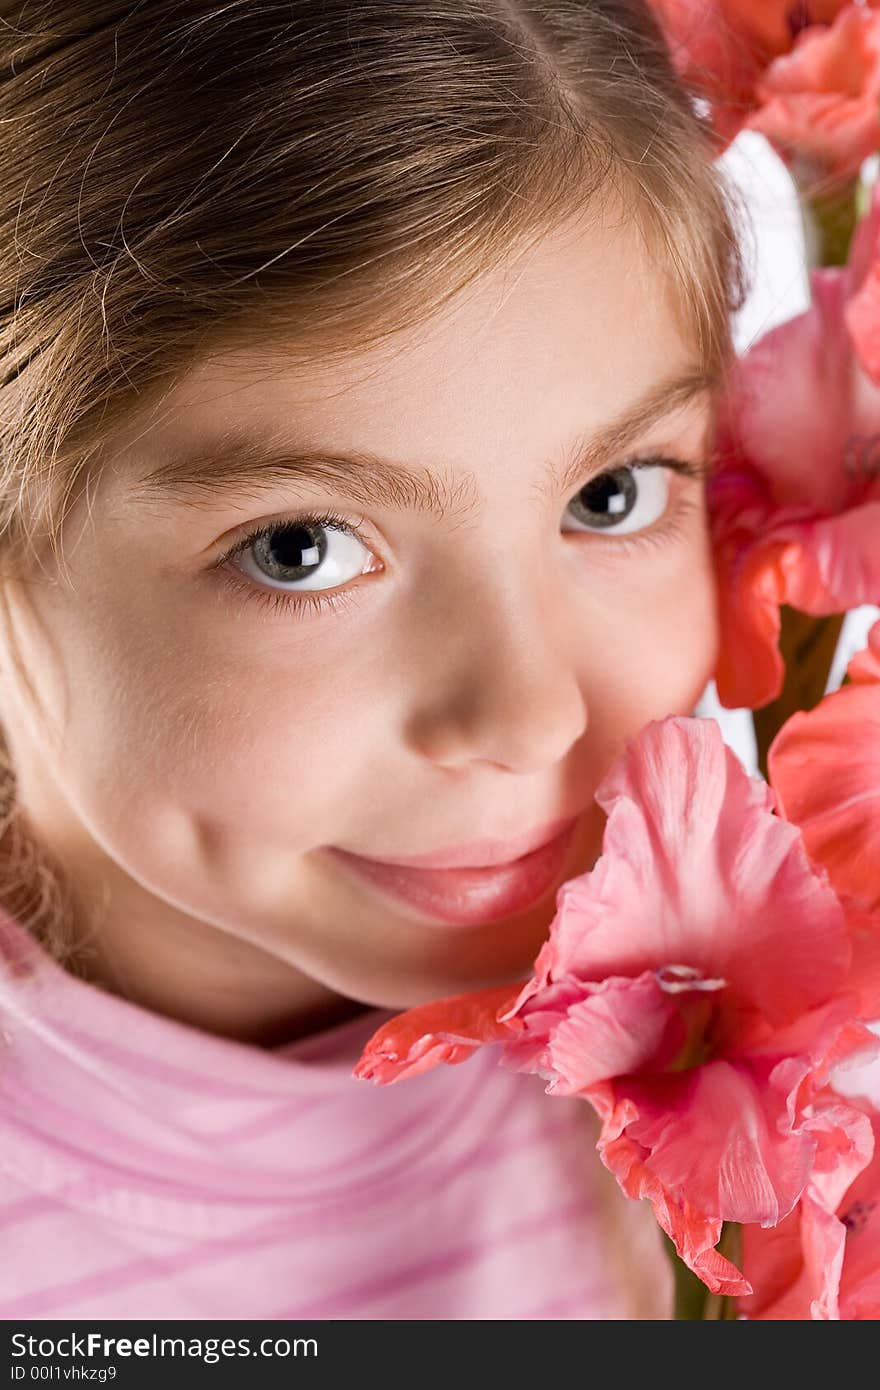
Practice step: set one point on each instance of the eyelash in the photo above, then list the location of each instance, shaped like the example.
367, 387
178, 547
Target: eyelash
275, 600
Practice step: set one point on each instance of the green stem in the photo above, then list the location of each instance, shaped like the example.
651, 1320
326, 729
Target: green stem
807, 646
830, 218
689, 1292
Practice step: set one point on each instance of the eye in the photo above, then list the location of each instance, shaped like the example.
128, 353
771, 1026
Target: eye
311, 552
625, 499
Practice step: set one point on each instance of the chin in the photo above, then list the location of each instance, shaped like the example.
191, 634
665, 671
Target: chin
403, 994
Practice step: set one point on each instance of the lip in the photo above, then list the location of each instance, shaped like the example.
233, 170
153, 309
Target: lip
468, 895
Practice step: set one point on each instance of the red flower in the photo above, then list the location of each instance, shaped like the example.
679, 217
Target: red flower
699, 1032
722, 48
821, 102
795, 500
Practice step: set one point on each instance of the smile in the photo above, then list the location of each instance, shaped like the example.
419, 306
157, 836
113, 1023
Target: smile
466, 895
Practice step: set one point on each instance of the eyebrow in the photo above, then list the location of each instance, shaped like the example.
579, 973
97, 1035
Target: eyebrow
238, 463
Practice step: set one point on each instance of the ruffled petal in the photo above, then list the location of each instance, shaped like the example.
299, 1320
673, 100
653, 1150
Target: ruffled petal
721, 50
693, 866
693, 1233
820, 102
825, 766
859, 1211
804, 1268
446, 1030
719, 1138
833, 563
621, 1026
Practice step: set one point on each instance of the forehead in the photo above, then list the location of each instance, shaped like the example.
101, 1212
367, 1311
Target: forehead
548, 346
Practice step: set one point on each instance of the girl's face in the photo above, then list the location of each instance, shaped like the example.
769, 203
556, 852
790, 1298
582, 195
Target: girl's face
499, 600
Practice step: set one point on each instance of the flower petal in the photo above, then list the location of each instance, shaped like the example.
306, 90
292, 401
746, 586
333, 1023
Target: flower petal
693, 1233
860, 1213
791, 403
824, 763
801, 1268
721, 47
795, 500
446, 1030
618, 1028
833, 562
693, 866
820, 102
718, 1138
773, 1262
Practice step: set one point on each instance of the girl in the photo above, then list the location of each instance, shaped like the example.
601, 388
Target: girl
358, 371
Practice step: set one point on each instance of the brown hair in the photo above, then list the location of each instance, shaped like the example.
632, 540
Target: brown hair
184, 176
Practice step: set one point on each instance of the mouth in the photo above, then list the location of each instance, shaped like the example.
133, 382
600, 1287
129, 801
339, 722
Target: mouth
466, 893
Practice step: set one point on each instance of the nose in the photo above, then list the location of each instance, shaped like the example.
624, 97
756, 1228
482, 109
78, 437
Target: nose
498, 683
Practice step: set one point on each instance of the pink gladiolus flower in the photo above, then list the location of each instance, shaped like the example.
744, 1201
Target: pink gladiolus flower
825, 766
721, 48
823, 1261
821, 102
695, 988
795, 499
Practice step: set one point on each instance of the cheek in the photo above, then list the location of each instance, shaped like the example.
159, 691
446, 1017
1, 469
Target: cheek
659, 639
179, 752
248, 757
205, 794
680, 638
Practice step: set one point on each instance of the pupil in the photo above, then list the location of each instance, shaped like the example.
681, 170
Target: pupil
609, 497
300, 548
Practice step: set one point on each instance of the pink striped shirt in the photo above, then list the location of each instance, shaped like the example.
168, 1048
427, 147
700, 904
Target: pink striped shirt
151, 1170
